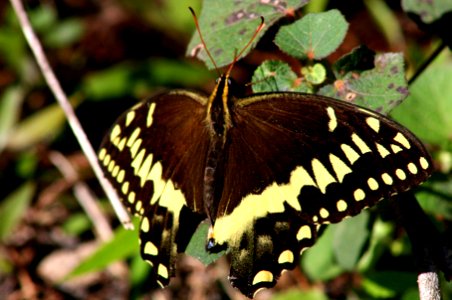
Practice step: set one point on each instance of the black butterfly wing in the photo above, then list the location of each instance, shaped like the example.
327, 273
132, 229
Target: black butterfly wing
155, 158
304, 160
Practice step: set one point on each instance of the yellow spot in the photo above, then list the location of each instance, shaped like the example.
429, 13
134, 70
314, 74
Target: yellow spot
115, 171
332, 124
129, 117
386, 178
151, 264
102, 154
145, 226
263, 276
412, 168
116, 141
339, 167
258, 291
138, 205
360, 143
122, 144
324, 213
359, 195
172, 198
402, 140
107, 159
315, 219
133, 137
116, 131
145, 169
121, 176
395, 148
369, 112
424, 163
149, 119
321, 174
111, 165
286, 257
382, 150
341, 205
160, 284
351, 154
135, 147
131, 197
372, 183
373, 123
304, 233
162, 271
125, 187
159, 184
138, 161
400, 174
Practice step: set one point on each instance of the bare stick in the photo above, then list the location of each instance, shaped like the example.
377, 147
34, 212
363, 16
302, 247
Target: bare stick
59, 94
84, 196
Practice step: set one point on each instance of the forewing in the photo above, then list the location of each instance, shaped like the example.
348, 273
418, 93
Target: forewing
155, 157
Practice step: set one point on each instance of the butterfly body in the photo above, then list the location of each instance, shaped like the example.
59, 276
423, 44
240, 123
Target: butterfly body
266, 170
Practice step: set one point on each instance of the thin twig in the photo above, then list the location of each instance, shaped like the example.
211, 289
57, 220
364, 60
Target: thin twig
426, 63
84, 196
89, 204
59, 94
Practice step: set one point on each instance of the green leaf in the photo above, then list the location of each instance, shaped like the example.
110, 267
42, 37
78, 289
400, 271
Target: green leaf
10, 106
65, 33
227, 26
313, 294
427, 111
388, 284
43, 18
359, 59
315, 36
315, 74
379, 242
124, 244
13, 208
318, 262
43, 125
273, 75
428, 11
76, 224
113, 82
435, 197
380, 89
197, 246
349, 238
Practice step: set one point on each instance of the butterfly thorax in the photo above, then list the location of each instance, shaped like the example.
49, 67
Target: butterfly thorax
218, 121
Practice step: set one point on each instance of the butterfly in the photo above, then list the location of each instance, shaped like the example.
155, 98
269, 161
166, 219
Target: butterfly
266, 170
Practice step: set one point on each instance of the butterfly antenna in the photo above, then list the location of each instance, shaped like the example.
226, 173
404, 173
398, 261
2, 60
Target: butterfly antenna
202, 39
237, 56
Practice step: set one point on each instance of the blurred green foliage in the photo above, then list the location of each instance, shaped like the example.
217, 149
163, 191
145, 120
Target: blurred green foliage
103, 77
